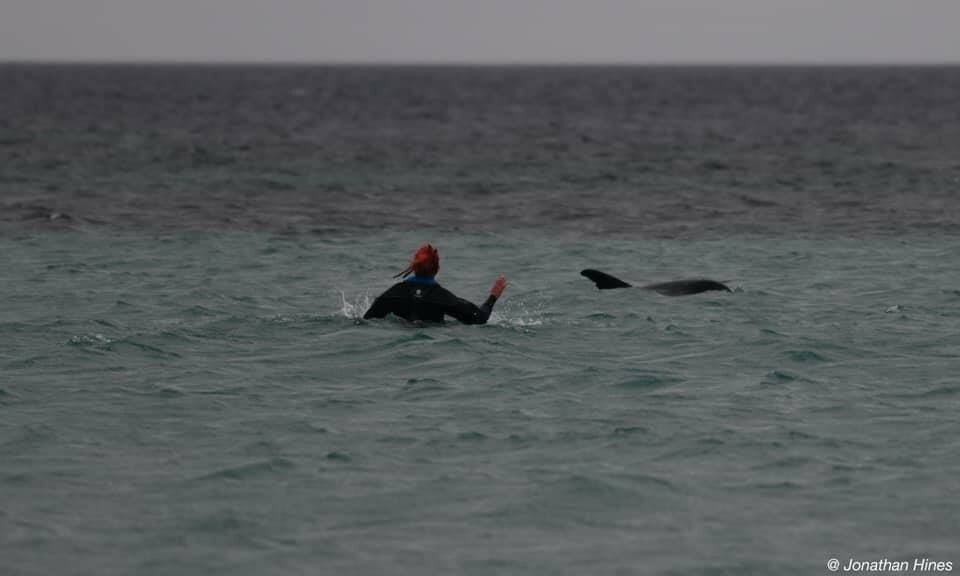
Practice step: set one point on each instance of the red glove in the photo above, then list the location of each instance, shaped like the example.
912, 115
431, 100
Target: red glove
498, 286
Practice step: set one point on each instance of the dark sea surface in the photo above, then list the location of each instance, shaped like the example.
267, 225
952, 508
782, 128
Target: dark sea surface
185, 386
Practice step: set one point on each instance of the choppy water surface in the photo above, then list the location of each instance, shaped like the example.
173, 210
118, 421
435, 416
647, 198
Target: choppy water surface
207, 403
185, 387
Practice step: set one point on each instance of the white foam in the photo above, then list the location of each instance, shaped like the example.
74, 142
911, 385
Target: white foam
355, 307
518, 313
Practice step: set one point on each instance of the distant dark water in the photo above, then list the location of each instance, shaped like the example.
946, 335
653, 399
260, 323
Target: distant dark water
660, 152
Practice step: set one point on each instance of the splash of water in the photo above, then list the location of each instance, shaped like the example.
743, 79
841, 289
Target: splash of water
356, 306
520, 313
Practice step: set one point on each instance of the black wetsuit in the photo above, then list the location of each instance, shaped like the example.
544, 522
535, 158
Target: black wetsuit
428, 302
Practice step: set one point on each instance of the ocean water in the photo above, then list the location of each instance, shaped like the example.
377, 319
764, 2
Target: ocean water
186, 386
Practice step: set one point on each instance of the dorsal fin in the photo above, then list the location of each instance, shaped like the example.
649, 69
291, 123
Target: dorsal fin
602, 280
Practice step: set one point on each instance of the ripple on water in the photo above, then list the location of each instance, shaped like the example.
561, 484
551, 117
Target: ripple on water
268, 467
647, 381
804, 356
593, 494
6, 396
422, 388
30, 436
785, 463
914, 392
100, 343
781, 376
630, 431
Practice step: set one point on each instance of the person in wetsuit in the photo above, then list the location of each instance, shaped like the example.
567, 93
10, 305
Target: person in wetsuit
421, 298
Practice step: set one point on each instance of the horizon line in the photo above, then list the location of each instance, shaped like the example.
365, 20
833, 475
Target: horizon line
487, 63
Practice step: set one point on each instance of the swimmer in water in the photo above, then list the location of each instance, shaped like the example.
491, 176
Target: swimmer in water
421, 298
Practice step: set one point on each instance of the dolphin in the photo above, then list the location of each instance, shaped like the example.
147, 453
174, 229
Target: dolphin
605, 281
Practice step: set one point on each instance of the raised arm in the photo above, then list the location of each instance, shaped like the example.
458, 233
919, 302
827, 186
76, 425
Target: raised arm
469, 313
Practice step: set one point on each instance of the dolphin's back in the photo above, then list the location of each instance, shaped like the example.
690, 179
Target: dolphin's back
685, 287
605, 281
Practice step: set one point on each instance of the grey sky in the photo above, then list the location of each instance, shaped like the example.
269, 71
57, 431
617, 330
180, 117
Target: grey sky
625, 31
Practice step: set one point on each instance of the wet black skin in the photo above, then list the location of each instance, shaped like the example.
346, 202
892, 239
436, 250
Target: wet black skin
673, 288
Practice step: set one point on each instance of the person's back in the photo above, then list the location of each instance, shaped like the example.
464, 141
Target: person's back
421, 298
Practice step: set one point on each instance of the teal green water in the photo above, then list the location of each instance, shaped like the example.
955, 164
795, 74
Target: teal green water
206, 403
